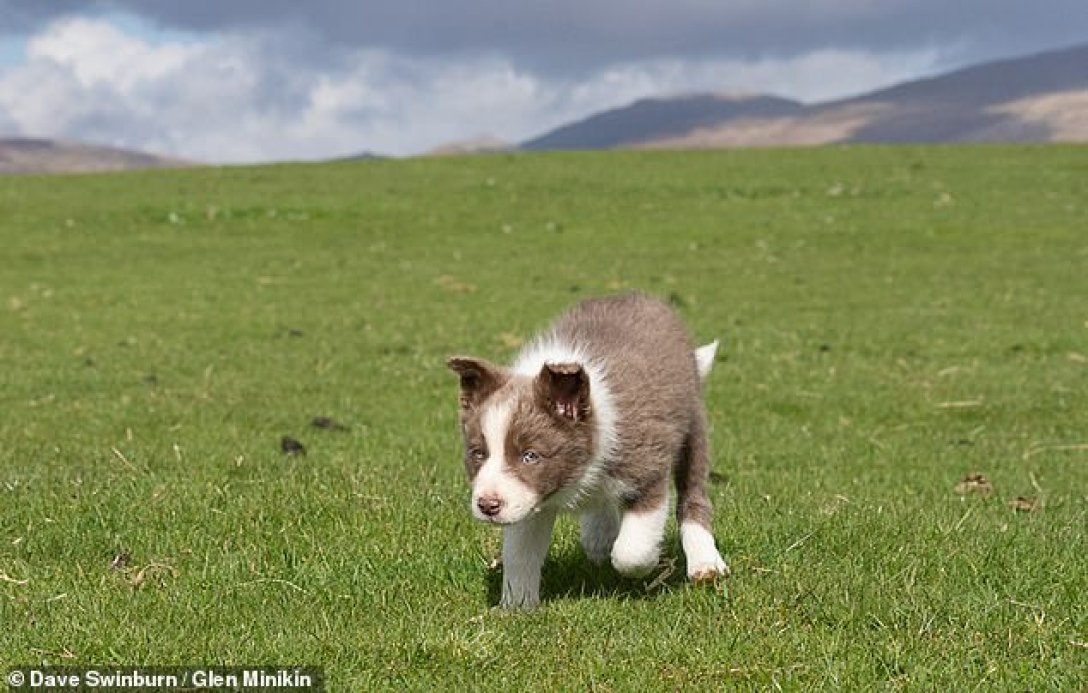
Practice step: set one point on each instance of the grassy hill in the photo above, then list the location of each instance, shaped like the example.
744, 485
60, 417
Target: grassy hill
893, 320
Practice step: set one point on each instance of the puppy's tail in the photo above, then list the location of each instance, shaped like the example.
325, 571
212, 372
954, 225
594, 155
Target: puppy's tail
704, 358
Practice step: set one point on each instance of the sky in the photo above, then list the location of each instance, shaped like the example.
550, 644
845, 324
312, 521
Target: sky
237, 81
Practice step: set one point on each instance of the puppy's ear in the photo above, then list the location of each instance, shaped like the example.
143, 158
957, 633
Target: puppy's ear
563, 390
479, 379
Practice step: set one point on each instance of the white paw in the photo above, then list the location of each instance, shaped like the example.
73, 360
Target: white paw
708, 571
635, 560
638, 545
520, 601
517, 597
704, 562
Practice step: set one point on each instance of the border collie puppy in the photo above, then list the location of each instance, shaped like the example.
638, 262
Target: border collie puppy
593, 418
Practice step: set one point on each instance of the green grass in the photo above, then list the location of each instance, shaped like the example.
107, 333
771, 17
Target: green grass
892, 320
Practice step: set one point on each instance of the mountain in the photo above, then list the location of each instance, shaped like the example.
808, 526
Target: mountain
1036, 98
34, 155
649, 119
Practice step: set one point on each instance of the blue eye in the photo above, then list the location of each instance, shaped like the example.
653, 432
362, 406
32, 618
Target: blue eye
530, 457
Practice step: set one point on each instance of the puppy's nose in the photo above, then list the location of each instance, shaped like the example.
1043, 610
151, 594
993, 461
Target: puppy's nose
489, 505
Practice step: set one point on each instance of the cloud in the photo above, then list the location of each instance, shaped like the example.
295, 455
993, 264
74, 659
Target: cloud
225, 98
18, 17
239, 97
251, 80
579, 37
99, 53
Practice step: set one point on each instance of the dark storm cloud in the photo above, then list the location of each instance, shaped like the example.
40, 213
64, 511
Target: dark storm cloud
17, 17
588, 33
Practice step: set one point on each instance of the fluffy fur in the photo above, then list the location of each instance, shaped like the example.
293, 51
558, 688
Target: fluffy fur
594, 417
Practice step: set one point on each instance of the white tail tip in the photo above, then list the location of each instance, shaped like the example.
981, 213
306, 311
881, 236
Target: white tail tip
704, 358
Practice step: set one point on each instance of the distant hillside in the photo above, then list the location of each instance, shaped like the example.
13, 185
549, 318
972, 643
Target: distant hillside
484, 144
32, 155
650, 119
360, 156
1037, 98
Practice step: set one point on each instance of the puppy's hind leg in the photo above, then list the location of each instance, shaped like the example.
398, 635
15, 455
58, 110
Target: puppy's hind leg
693, 510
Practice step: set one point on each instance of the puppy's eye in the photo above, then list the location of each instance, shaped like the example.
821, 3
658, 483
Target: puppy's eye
477, 455
530, 457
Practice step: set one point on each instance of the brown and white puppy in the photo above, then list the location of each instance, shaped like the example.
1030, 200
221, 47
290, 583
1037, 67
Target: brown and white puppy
593, 417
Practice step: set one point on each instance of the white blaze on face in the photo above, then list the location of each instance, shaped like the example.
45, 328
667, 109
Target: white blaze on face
494, 480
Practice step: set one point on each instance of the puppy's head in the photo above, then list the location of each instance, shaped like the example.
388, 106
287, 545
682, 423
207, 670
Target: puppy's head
527, 438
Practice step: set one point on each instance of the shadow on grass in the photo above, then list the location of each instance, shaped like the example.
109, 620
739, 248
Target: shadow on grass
568, 574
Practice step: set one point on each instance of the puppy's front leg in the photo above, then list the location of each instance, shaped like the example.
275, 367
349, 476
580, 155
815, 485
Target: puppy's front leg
638, 545
524, 547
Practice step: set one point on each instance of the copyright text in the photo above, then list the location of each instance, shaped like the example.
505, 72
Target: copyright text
264, 678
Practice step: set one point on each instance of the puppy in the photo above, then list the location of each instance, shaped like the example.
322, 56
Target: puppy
592, 418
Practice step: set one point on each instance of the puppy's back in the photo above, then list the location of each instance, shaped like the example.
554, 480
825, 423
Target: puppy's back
638, 340
646, 361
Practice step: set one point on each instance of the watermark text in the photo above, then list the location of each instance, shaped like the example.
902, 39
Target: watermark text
139, 678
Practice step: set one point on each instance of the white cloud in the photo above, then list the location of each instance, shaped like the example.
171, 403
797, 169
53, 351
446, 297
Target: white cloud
98, 53
234, 97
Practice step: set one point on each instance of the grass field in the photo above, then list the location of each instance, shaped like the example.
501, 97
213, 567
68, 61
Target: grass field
893, 320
